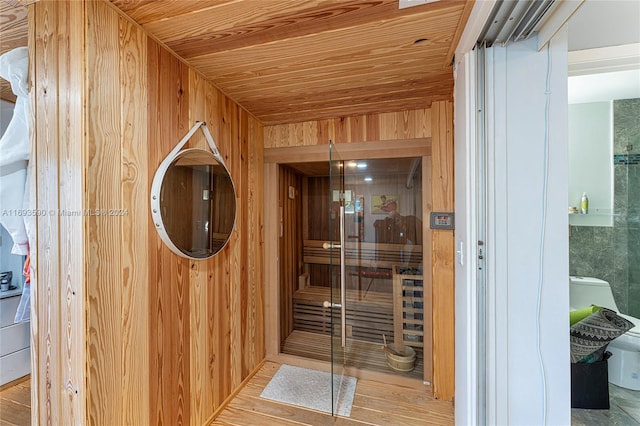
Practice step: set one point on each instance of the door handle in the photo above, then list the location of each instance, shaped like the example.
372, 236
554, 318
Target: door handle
328, 304
328, 246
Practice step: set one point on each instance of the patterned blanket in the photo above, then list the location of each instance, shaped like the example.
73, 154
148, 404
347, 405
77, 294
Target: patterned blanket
595, 332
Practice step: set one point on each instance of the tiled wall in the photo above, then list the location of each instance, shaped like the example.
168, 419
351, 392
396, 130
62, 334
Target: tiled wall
613, 253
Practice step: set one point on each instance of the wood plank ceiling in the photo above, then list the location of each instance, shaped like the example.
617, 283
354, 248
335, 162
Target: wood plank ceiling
288, 61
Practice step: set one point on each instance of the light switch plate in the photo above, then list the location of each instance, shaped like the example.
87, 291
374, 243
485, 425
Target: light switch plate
442, 220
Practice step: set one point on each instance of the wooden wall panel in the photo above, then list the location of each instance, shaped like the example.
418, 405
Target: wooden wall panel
290, 246
167, 340
361, 128
442, 187
104, 239
134, 226
58, 303
169, 297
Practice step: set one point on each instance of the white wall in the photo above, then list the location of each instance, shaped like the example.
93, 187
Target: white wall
466, 293
527, 241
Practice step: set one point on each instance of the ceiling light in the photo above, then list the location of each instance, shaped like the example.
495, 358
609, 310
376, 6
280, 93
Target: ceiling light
368, 179
361, 166
353, 164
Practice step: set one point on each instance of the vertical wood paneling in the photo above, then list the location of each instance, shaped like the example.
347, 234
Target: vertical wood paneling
201, 389
105, 238
46, 327
427, 256
134, 226
72, 235
169, 316
443, 252
271, 269
58, 327
361, 128
253, 345
289, 247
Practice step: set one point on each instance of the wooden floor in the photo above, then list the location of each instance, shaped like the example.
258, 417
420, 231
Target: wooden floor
374, 404
360, 354
15, 403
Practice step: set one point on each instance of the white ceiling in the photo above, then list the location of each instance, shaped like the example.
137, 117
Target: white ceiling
604, 86
603, 24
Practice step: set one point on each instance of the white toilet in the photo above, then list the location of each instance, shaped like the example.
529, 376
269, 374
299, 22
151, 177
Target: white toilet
624, 364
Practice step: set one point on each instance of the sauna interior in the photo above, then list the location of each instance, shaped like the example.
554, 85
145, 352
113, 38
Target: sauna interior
384, 282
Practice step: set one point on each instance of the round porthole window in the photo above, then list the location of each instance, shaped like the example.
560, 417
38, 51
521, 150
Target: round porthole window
193, 200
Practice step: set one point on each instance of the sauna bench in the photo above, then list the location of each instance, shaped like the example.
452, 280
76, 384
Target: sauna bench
369, 314
365, 255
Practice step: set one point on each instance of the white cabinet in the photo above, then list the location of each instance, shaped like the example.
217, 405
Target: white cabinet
14, 343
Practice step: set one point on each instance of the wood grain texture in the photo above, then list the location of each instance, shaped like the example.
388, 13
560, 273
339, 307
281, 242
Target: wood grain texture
134, 226
71, 127
46, 338
220, 299
427, 257
271, 262
399, 125
125, 331
15, 402
290, 245
287, 61
59, 302
443, 253
169, 368
105, 238
375, 403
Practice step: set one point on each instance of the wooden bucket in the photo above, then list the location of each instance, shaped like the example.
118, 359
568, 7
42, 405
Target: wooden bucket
403, 361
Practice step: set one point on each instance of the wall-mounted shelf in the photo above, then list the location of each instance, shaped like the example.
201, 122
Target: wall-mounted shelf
594, 218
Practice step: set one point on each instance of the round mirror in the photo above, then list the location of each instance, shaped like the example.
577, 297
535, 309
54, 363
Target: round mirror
193, 204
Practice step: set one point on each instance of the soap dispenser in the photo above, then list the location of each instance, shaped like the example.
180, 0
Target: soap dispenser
584, 204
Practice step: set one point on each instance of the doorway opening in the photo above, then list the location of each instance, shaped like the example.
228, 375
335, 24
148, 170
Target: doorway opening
386, 294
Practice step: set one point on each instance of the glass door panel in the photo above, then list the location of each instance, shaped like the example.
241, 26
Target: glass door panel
336, 272
377, 292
